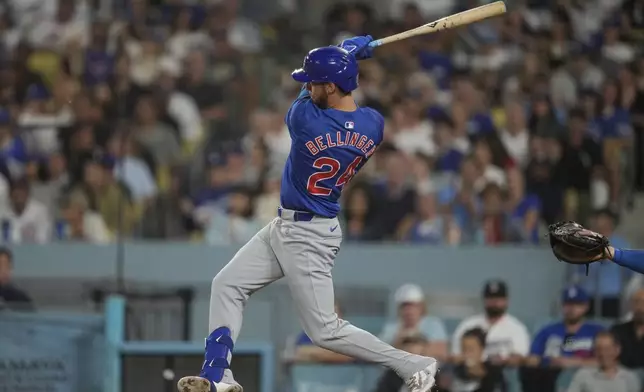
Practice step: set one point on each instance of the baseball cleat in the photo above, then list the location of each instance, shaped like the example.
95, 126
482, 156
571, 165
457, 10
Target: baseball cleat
424, 380
200, 384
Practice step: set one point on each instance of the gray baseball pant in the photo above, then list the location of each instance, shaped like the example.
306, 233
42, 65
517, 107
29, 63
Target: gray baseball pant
303, 253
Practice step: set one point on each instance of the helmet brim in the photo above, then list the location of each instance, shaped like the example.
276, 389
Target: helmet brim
299, 75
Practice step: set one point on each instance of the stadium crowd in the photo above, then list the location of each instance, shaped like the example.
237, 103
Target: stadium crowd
597, 356
165, 119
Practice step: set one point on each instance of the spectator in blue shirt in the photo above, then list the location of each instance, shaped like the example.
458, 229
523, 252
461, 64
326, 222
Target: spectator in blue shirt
13, 152
569, 342
613, 121
413, 320
523, 209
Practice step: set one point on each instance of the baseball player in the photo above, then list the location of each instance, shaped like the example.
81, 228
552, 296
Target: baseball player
332, 138
574, 244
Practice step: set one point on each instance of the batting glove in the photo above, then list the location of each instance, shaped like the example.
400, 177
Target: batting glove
358, 46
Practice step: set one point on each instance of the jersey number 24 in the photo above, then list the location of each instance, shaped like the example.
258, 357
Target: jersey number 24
329, 169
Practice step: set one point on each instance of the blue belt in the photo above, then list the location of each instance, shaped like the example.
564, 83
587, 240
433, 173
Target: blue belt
298, 216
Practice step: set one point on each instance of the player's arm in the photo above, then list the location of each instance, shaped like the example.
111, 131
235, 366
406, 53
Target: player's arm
632, 259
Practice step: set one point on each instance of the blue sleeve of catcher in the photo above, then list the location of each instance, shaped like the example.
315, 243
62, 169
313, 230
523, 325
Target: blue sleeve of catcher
630, 258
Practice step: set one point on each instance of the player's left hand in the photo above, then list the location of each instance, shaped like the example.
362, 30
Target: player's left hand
359, 46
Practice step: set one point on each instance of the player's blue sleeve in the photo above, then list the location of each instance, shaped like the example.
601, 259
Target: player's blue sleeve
292, 114
630, 258
538, 346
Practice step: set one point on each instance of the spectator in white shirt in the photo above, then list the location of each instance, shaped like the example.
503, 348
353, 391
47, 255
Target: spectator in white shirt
507, 339
414, 134
24, 219
180, 106
412, 320
131, 169
492, 174
66, 29
614, 49
515, 137
79, 223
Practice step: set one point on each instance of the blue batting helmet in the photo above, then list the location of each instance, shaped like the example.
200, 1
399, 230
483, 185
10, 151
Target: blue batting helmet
330, 64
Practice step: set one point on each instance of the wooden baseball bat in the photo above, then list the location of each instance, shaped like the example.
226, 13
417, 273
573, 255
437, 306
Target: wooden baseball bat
448, 22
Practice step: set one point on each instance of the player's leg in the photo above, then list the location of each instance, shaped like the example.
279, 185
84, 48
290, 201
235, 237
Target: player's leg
253, 267
306, 252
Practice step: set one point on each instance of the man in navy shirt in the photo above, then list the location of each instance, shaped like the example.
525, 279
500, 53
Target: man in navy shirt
569, 342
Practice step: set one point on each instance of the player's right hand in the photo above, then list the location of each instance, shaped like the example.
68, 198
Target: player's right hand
359, 46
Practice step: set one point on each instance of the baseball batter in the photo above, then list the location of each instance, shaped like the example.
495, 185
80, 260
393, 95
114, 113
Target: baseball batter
332, 139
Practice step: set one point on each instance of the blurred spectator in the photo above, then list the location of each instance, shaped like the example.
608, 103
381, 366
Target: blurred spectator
306, 351
24, 219
153, 135
358, 214
494, 225
523, 209
207, 95
630, 334
475, 373
515, 136
169, 214
11, 297
13, 151
62, 31
449, 153
130, 169
581, 162
413, 320
608, 280
609, 375
413, 133
48, 180
545, 120
266, 202
390, 380
545, 177
179, 107
507, 339
234, 226
109, 197
79, 223
491, 173
464, 201
568, 343
427, 226
615, 49
393, 199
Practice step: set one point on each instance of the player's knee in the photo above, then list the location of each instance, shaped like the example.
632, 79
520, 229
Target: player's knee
223, 288
324, 335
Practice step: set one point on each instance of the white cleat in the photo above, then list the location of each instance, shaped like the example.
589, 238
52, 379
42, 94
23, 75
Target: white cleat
200, 384
424, 380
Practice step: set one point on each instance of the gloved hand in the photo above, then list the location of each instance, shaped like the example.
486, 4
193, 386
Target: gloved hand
358, 46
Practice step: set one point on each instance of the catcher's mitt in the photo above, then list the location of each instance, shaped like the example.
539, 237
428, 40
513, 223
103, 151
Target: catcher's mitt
574, 244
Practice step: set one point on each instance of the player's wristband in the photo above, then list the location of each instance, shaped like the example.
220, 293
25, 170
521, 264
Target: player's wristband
617, 255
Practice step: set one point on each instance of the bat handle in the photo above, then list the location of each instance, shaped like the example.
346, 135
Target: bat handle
375, 43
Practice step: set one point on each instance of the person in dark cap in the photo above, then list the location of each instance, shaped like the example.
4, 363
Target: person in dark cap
507, 339
569, 342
